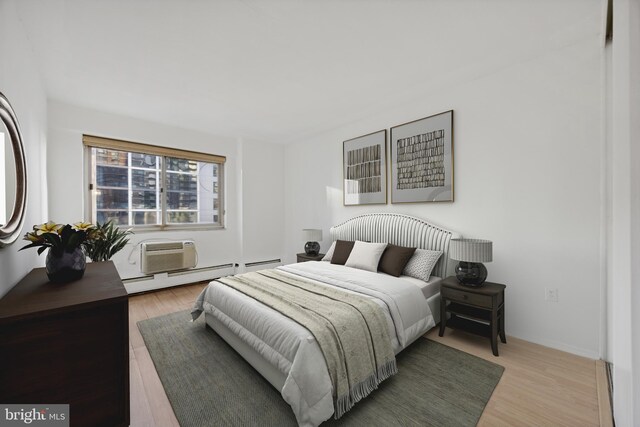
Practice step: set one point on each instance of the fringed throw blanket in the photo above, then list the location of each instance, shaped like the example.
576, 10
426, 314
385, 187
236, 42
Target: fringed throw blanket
350, 329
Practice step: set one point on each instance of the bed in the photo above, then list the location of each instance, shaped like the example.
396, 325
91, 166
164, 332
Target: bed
286, 353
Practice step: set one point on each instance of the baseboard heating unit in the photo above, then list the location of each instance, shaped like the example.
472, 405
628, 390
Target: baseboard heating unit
257, 263
138, 284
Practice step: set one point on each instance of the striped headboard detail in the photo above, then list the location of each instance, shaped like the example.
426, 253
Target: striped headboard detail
402, 230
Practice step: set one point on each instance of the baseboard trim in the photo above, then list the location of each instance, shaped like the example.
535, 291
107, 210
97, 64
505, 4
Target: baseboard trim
591, 354
604, 398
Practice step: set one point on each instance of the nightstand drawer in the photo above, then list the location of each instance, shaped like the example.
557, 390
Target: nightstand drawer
467, 297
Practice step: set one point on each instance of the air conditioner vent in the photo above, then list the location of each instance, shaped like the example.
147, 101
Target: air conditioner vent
167, 256
164, 246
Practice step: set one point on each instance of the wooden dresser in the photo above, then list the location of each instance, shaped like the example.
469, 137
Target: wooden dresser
68, 343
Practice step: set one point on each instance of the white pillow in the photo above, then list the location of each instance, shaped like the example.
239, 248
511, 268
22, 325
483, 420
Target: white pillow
329, 253
421, 264
366, 256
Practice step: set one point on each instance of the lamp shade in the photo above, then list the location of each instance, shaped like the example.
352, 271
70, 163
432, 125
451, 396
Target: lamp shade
311, 235
471, 250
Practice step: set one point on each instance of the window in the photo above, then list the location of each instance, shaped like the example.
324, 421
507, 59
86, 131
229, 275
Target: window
152, 187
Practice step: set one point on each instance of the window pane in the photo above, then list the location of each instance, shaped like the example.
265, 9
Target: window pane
182, 182
144, 160
145, 218
118, 217
144, 180
112, 177
182, 217
208, 193
177, 200
144, 200
181, 165
112, 199
111, 157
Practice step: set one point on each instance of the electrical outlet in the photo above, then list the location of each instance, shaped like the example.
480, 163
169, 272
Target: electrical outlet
551, 294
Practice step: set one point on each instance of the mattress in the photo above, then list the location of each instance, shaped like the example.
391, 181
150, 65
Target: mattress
290, 349
429, 289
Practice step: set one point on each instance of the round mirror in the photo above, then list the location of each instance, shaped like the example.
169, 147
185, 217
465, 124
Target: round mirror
13, 179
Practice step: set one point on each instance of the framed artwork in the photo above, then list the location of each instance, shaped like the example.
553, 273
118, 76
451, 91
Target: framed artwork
422, 160
364, 169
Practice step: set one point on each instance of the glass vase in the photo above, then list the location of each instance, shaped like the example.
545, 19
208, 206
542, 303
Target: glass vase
67, 266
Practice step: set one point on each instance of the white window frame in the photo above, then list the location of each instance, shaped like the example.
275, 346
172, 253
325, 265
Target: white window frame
91, 142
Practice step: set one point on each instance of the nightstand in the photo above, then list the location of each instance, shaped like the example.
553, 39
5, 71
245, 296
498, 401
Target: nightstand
303, 257
477, 310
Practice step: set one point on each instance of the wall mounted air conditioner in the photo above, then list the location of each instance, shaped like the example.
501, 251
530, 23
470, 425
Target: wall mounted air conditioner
159, 257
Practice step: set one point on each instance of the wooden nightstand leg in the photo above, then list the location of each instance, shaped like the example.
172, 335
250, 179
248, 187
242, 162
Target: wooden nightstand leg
503, 337
494, 332
443, 316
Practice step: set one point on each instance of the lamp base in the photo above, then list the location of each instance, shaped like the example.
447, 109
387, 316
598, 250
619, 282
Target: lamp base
312, 248
471, 273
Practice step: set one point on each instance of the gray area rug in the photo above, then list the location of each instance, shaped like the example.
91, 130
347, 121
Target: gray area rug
209, 384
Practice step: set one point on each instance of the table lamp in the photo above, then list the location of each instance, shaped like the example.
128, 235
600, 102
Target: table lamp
471, 253
312, 235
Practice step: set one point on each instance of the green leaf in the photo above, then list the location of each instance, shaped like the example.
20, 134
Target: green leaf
72, 242
53, 239
113, 240
33, 245
65, 235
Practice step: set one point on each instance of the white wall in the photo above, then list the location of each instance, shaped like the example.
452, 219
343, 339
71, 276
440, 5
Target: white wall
527, 176
21, 84
68, 123
263, 201
624, 317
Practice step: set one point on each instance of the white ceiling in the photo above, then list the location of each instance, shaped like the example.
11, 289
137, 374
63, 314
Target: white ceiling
278, 70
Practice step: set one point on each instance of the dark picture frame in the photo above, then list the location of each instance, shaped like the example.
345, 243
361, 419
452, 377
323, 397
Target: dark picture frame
422, 160
364, 169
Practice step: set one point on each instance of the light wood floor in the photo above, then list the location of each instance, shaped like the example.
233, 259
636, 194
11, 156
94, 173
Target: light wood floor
540, 386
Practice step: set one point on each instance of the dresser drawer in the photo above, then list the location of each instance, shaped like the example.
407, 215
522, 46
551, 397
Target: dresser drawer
467, 297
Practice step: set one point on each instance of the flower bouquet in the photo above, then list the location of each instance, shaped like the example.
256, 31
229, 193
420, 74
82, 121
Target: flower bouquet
69, 244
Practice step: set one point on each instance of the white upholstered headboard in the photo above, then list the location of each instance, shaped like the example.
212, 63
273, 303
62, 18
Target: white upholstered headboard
401, 230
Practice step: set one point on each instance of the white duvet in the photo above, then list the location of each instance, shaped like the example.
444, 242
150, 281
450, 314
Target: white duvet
293, 350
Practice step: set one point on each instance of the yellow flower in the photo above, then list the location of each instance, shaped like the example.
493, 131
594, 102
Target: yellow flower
83, 226
32, 237
49, 227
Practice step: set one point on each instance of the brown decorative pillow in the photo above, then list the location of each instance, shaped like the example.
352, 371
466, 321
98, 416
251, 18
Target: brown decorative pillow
394, 259
342, 251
